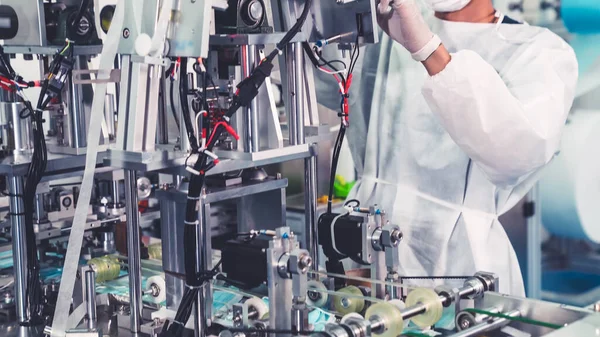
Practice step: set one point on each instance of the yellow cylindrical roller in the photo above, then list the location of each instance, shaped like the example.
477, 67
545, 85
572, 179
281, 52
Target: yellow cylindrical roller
315, 296
155, 251
345, 305
388, 314
107, 268
431, 300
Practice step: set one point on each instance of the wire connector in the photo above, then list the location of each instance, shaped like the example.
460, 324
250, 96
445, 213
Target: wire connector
248, 88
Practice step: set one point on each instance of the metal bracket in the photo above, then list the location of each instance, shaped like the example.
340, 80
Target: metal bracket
114, 77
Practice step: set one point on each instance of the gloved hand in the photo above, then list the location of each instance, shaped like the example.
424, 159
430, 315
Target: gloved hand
405, 24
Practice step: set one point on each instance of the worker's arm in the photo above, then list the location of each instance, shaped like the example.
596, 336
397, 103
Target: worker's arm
437, 61
510, 125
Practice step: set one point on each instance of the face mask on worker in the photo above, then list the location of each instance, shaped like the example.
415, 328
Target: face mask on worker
447, 5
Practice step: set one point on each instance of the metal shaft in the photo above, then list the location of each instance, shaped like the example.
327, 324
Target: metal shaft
490, 325
133, 251
290, 102
90, 298
251, 121
299, 91
116, 192
204, 301
77, 115
19, 246
310, 197
40, 212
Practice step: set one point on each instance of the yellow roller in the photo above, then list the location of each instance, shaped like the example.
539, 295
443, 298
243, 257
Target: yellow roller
431, 300
345, 305
107, 268
391, 317
316, 298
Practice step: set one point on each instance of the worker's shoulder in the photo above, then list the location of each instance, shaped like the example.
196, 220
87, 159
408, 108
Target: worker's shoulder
541, 37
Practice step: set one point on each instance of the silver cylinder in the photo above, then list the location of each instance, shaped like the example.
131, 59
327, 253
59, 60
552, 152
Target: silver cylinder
77, 116
299, 91
108, 242
413, 311
19, 246
116, 191
172, 215
109, 114
310, 199
251, 116
133, 251
40, 212
90, 298
17, 133
291, 107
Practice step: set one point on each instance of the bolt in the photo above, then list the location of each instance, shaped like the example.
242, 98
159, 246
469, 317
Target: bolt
464, 324
396, 237
156, 321
126, 33
304, 262
278, 175
345, 302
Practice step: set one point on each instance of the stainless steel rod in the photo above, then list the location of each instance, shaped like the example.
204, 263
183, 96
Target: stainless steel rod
251, 120
19, 246
90, 298
77, 108
133, 251
310, 197
299, 91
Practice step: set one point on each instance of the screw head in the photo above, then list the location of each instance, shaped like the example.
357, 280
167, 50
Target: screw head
126, 33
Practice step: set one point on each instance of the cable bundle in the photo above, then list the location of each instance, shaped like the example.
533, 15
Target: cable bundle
246, 92
52, 85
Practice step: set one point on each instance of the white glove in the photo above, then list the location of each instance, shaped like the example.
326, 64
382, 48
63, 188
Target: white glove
405, 25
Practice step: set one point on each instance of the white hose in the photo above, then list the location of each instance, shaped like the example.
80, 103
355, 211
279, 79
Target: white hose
65, 293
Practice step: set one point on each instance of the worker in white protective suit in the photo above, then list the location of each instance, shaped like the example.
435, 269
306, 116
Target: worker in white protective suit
450, 122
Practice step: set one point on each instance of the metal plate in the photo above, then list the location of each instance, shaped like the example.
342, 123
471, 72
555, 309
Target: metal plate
533, 309
17, 165
163, 160
332, 17
50, 50
193, 29
215, 194
250, 39
32, 23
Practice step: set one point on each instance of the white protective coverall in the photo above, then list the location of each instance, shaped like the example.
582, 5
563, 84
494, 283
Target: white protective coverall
444, 156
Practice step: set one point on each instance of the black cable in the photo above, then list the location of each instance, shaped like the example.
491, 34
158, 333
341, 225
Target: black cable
355, 201
183, 95
84, 5
292, 32
172, 99
334, 162
247, 90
